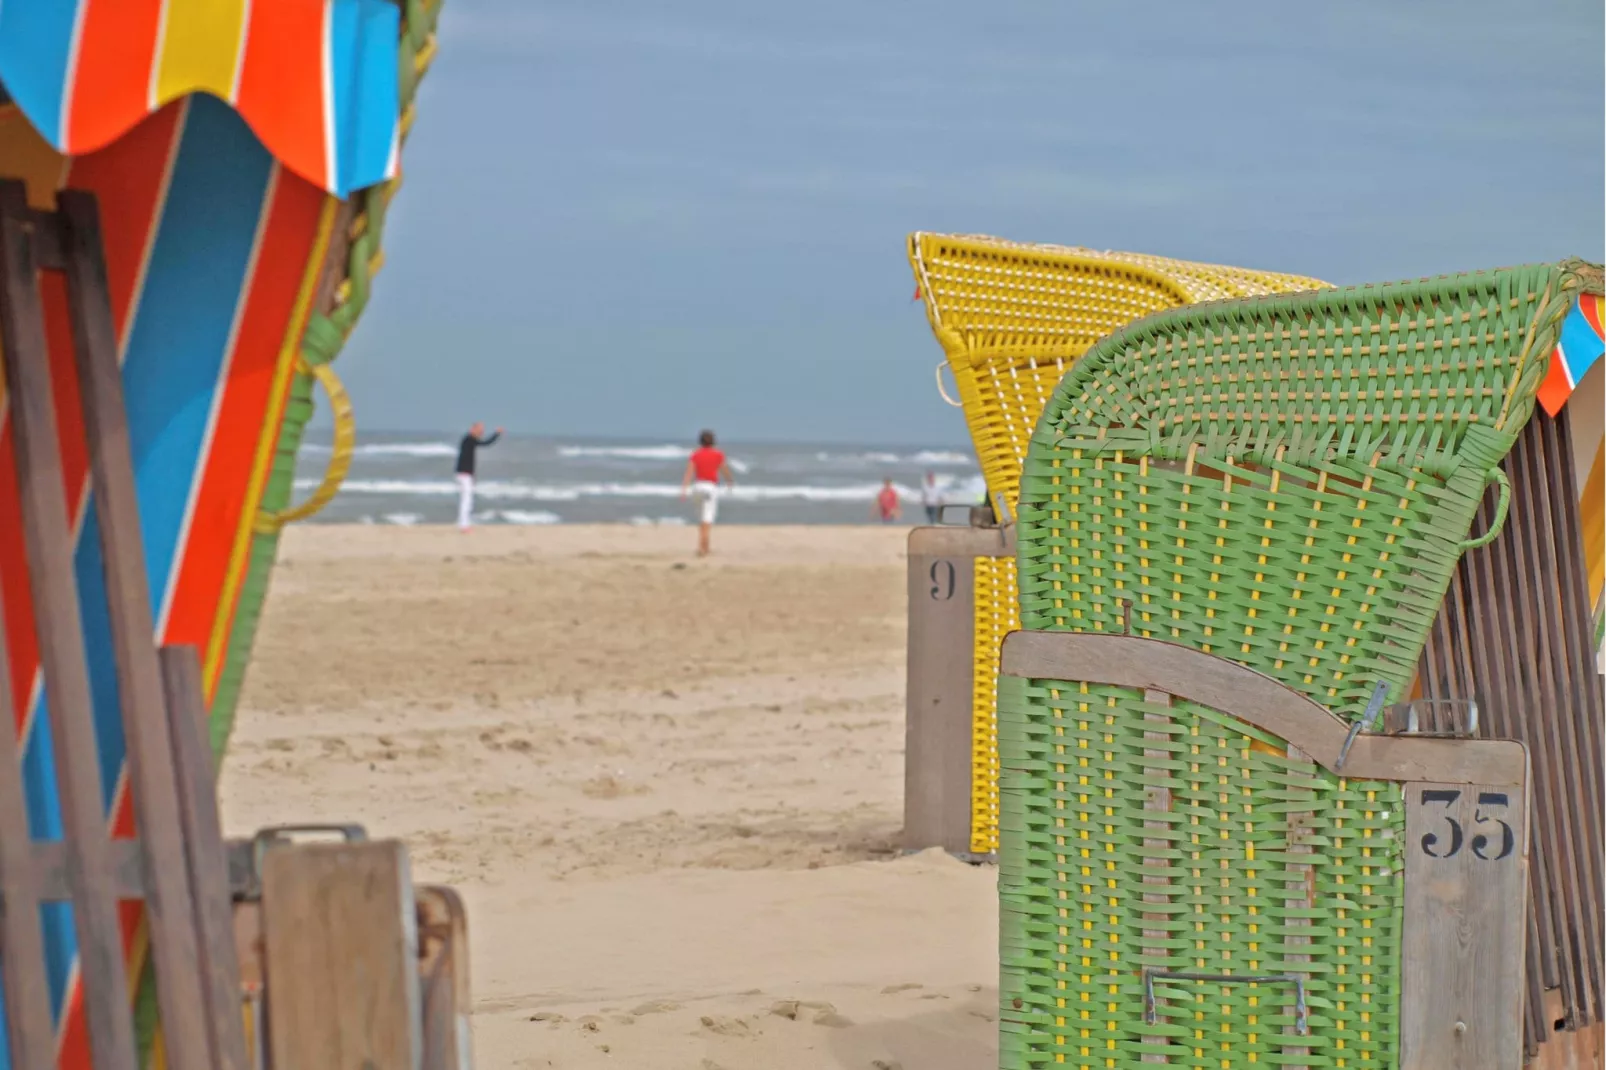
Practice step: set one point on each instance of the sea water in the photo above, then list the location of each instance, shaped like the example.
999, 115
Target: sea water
399, 478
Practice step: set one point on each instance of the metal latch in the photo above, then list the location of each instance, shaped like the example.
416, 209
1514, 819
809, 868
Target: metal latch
1301, 1012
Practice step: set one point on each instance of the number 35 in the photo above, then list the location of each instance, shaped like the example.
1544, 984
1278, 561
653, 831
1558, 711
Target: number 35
1433, 843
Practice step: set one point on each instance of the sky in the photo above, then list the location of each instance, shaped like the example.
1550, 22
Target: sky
632, 219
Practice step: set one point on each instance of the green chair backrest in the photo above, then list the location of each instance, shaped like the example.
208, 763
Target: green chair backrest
1288, 483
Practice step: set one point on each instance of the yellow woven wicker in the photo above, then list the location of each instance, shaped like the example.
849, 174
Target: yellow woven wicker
1012, 318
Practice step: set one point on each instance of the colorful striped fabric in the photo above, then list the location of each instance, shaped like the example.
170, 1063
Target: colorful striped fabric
317, 80
1579, 347
212, 252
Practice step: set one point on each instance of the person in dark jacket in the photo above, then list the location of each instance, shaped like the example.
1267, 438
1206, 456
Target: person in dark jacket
465, 472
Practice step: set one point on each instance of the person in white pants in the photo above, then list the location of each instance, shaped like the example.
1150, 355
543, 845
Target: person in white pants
465, 473
704, 468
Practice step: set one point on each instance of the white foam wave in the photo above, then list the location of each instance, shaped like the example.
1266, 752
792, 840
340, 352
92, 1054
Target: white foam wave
393, 449
643, 453
528, 516
657, 521
928, 458
406, 520
500, 490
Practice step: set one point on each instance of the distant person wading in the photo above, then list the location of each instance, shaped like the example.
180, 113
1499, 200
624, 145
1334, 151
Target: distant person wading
703, 470
465, 472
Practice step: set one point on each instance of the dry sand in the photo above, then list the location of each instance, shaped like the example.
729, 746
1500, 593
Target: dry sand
670, 790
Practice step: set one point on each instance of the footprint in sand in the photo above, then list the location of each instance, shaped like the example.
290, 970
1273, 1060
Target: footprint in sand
727, 1027
907, 987
657, 1006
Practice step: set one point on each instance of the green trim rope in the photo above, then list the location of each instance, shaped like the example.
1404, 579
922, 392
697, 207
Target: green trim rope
1286, 482
321, 342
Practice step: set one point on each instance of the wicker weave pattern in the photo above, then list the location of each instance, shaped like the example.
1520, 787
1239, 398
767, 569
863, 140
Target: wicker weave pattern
997, 614
1285, 481
1259, 865
1012, 318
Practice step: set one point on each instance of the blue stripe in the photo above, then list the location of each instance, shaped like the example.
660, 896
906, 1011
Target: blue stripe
364, 77
35, 47
1580, 346
174, 359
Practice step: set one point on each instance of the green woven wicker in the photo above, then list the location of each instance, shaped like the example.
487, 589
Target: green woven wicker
1286, 482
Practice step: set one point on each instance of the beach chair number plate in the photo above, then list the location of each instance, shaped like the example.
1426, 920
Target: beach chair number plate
1466, 875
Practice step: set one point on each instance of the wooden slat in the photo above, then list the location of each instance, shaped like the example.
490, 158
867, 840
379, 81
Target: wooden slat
48, 540
340, 950
169, 907
1523, 625
1465, 913
1151, 664
940, 693
22, 963
219, 972
444, 973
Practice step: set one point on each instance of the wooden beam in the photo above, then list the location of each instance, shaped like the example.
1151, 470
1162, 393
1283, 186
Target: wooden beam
219, 972
1151, 664
49, 542
340, 957
22, 966
169, 907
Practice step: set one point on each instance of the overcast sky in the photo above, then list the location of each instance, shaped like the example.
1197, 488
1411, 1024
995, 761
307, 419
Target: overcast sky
632, 218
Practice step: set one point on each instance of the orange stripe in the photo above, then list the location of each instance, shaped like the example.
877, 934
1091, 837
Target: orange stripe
112, 75
281, 83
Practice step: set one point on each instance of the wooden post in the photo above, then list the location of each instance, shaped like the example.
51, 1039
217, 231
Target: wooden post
340, 957
22, 963
939, 695
169, 908
207, 867
48, 539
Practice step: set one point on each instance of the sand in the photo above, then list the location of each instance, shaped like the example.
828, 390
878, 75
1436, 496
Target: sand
670, 790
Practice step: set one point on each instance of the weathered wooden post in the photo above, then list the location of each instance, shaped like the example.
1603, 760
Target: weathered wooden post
941, 701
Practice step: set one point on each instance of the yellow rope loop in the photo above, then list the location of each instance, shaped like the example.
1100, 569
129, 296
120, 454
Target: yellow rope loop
339, 458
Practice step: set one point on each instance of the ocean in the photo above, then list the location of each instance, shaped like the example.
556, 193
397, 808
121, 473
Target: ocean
408, 479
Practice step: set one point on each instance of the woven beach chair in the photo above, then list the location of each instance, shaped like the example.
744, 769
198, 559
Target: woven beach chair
1286, 483
1011, 319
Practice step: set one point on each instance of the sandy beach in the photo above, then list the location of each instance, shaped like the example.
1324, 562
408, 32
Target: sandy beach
670, 790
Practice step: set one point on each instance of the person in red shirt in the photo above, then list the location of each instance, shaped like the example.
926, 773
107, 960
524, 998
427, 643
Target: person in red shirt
703, 470
887, 503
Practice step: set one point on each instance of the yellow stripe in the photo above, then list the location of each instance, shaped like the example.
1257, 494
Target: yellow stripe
266, 445
202, 42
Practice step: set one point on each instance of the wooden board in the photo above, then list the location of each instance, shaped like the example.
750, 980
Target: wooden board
340, 957
939, 692
1466, 883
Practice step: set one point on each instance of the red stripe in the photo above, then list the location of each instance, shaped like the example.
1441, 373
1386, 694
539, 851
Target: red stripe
1556, 388
112, 74
1589, 304
281, 264
281, 84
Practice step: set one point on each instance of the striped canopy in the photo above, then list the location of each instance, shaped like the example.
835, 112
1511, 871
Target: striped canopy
316, 80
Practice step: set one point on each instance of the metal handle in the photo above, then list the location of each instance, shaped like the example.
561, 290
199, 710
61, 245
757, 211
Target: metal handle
1365, 720
1301, 1011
